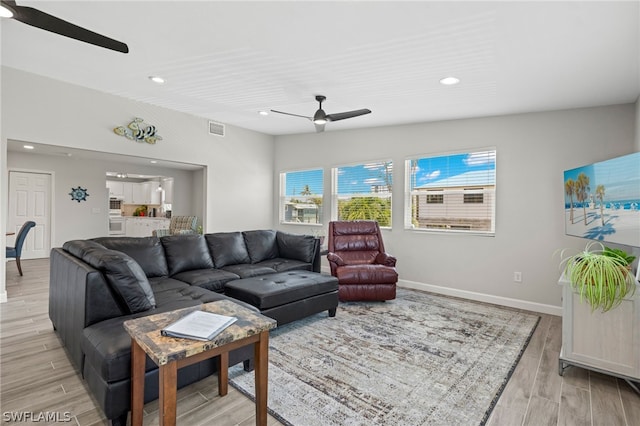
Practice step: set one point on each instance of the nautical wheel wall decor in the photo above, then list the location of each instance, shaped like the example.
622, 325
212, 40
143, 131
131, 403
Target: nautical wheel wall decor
78, 194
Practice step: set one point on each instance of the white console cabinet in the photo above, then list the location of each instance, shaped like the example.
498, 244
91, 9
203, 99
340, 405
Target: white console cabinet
608, 342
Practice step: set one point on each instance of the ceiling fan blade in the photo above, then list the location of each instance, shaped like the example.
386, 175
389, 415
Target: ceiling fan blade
295, 115
36, 18
319, 128
348, 114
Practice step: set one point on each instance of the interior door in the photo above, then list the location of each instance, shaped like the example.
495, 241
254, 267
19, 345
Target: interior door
30, 199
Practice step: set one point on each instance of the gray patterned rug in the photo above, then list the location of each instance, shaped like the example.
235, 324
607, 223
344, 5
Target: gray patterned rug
421, 359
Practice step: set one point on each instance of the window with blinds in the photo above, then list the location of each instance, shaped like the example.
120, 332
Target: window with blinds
363, 192
301, 194
452, 193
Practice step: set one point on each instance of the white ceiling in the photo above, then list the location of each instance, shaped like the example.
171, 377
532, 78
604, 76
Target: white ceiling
226, 61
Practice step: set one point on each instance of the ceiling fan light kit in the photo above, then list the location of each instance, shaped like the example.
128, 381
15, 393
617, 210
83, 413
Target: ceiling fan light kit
320, 118
5, 11
37, 18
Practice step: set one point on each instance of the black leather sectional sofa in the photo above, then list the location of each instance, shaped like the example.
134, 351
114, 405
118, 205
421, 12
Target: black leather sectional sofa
96, 285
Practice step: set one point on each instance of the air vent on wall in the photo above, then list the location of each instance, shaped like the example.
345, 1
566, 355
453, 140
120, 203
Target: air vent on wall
216, 128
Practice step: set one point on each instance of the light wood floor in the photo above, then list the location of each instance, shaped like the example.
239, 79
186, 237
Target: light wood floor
37, 377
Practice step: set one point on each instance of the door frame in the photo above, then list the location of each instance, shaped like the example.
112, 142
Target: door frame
51, 197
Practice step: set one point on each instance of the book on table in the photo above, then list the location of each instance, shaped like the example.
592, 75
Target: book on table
198, 325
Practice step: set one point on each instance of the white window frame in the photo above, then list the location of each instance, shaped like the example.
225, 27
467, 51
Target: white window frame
488, 194
282, 198
335, 196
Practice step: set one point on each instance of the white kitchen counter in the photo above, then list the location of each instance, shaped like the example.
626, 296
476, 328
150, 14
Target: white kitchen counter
143, 226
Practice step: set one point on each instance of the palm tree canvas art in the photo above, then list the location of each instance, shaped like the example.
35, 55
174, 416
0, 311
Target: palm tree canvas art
602, 200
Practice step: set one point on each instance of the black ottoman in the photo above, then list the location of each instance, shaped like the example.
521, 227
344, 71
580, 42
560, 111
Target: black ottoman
287, 296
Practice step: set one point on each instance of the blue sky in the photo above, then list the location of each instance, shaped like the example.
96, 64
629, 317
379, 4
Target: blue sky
433, 169
297, 180
361, 178
357, 179
620, 177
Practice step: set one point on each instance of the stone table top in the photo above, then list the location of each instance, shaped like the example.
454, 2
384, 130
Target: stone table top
163, 349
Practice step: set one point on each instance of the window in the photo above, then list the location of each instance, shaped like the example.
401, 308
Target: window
363, 192
435, 198
301, 196
473, 196
452, 193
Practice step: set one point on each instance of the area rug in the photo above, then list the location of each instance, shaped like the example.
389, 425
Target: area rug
421, 359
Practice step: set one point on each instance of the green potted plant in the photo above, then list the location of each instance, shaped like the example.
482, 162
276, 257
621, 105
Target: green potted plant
601, 275
140, 211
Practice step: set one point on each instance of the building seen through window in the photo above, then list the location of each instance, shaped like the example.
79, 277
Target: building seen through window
301, 194
452, 192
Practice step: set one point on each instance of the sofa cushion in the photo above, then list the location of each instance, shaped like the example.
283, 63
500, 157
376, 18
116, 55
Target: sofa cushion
186, 252
147, 251
261, 245
249, 270
366, 274
107, 345
297, 247
227, 248
129, 281
84, 249
169, 291
211, 279
123, 274
280, 264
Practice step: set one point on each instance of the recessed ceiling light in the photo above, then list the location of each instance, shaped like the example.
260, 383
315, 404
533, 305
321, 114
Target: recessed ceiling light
153, 161
28, 146
263, 113
156, 79
449, 81
5, 12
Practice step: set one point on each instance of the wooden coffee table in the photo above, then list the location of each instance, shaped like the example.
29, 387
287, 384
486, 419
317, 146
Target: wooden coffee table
170, 354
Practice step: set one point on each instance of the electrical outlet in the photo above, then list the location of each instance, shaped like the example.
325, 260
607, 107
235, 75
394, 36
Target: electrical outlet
517, 277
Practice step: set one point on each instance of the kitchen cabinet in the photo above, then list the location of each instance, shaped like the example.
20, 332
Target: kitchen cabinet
128, 192
141, 193
116, 189
137, 192
146, 192
154, 194
167, 185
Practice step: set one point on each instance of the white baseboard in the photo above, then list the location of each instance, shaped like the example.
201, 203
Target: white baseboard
3, 297
480, 297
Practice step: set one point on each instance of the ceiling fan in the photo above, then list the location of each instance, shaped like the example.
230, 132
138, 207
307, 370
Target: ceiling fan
37, 18
320, 118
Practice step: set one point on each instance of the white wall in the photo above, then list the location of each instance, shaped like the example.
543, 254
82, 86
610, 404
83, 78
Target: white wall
43, 110
638, 125
239, 177
533, 150
71, 172
4, 188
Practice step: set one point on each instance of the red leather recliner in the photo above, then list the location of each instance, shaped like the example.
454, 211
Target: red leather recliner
357, 258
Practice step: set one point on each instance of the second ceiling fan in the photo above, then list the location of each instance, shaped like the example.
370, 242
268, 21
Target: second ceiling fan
320, 118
